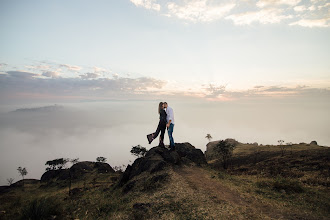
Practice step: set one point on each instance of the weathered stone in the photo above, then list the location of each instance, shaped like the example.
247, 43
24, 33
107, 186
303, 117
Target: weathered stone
158, 158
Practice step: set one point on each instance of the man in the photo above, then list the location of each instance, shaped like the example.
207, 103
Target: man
170, 124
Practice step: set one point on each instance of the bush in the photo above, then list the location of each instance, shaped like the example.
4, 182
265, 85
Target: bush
225, 148
42, 208
290, 186
139, 151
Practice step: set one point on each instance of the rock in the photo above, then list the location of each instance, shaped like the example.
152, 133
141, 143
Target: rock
103, 167
313, 143
62, 174
26, 181
158, 158
76, 171
190, 152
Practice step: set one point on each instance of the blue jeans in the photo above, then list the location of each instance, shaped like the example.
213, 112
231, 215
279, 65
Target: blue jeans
170, 131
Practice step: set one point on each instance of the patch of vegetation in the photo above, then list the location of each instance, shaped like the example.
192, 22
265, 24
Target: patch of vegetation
138, 151
280, 184
154, 182
42, 208
290, 186
183, 209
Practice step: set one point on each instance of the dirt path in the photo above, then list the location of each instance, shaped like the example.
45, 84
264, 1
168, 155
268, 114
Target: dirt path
199, 179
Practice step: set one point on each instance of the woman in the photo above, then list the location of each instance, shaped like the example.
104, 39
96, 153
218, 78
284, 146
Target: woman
161, 126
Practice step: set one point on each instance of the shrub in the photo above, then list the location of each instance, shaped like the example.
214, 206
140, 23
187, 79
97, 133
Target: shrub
139, 151
290, 186
225, 148
42, 208
101, 159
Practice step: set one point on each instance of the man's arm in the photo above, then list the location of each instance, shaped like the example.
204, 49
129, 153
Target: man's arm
170, 113
168, 124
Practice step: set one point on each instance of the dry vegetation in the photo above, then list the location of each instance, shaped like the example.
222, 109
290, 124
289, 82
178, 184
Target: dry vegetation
259, 184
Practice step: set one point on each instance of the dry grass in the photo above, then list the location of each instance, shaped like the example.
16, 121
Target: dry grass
293, 186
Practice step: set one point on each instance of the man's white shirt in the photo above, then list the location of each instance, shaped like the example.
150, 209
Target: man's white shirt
170, 114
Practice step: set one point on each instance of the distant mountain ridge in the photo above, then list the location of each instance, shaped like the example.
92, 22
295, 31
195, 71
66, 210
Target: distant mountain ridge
49, 108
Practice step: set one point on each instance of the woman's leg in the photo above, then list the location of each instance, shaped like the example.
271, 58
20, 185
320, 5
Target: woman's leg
154, 135
162, 134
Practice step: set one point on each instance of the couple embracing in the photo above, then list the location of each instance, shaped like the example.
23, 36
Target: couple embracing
166, 120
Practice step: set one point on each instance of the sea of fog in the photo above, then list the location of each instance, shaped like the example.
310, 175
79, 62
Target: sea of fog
30, 135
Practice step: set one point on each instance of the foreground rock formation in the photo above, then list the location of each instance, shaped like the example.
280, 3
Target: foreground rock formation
77, 171
158, 159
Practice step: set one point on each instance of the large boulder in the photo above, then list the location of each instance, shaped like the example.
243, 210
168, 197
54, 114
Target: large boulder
187, 151
158, 158
62, 174
313, 143
77, 170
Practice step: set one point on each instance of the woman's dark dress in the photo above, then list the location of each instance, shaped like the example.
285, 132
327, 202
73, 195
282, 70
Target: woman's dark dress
161, 127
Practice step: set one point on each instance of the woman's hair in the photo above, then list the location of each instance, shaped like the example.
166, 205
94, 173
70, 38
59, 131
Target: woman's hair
160, 107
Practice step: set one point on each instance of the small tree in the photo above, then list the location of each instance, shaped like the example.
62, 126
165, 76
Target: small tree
209, 137
225, 149
139, 151
10, 181
56, 164
283, 147
101, 159
22, 172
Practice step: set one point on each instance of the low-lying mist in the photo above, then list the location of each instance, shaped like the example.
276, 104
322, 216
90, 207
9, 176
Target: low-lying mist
32, 135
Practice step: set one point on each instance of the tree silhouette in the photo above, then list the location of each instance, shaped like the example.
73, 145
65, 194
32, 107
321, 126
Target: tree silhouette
101, 159
22, 172
225, 149
56, 164
282, 147
139, 151
209, 137
10, 181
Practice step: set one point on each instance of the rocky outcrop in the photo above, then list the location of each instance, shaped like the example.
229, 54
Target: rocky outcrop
62, 174
76, 171
157, 158
189, 153
313, 143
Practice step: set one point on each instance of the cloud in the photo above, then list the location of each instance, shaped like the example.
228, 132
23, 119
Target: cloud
214, 91
200, 10
3, 65
19, 85
99, 70
312, 23
38, 67
52, 74
248, 12
71, 67
148, 4
272, 3
22, 74
264, 16
300, 8
89, 75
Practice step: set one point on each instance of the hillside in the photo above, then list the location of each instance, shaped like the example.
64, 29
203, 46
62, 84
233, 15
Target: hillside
260, 183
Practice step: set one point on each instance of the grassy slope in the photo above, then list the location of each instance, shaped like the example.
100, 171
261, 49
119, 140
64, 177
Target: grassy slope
260, 184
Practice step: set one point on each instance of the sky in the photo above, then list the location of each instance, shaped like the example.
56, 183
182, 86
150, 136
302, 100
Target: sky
254, 70
141, 48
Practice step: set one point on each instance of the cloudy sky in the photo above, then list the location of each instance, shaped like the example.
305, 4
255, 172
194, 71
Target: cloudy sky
254, 70
142, 49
